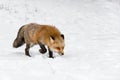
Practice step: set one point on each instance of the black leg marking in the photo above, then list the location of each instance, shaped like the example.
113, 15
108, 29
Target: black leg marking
27, 50
50, 54
43, 49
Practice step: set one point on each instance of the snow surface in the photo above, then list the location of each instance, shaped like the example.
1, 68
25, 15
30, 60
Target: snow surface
92, 37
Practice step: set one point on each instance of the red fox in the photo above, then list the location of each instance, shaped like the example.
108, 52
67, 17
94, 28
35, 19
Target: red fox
43, 35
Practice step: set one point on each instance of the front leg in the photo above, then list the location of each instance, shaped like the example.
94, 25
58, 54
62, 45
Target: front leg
50, 53
27, 50
43, 49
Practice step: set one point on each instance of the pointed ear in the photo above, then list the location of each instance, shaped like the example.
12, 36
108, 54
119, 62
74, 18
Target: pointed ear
52, 39
62, 35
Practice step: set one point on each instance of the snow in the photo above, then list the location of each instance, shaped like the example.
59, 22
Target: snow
92, 39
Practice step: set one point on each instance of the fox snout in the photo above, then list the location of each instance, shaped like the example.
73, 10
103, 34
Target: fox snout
61, 53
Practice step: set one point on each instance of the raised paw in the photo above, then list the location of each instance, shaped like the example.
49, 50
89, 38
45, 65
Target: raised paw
42, 51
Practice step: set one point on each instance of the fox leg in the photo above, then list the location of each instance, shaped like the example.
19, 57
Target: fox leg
50, 53
43, 49
27, 50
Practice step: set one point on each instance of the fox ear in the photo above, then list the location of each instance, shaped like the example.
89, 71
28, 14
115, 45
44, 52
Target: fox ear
52, 39
62, 35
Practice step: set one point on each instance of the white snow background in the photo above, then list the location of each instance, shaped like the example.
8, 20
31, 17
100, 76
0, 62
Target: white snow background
92, 38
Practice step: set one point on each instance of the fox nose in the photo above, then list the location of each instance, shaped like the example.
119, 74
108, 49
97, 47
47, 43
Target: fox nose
62, 53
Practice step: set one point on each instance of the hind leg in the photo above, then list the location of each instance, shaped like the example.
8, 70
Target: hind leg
43, 49
27, 50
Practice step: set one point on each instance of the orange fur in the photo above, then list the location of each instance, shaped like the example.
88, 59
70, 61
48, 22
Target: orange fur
45, 34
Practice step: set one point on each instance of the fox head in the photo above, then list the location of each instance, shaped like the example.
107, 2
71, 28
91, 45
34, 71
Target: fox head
57, 44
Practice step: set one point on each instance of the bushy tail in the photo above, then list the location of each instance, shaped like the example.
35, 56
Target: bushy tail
19, 41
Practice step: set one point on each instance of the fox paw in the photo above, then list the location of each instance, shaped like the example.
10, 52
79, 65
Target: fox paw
28, 55
42, 51
51, 57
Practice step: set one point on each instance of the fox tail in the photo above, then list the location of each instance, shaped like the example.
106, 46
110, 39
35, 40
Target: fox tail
19, 41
